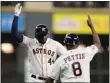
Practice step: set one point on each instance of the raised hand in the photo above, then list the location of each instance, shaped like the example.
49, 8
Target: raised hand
18, 8
89, 21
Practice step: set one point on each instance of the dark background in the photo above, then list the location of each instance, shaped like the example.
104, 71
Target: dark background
12, 64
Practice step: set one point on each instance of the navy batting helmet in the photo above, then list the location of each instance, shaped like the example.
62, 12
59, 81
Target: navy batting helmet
71, 39
41, 30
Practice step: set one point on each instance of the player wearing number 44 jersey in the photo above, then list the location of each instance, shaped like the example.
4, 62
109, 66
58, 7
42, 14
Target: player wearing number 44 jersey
42, 51
75, 66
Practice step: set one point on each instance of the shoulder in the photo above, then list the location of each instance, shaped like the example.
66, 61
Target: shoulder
58, 43
26, 37
32, 40
53, 41
60, 59
91, 47
26, 40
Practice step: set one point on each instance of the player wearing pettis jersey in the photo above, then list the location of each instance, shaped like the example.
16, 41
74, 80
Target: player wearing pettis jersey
42, 50
75, 66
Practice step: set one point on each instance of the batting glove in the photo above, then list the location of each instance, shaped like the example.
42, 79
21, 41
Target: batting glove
18, 8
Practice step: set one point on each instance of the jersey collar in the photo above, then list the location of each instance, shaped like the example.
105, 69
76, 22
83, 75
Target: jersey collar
48, 40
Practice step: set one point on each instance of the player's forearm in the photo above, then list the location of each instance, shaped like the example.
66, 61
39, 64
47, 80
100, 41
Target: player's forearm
14, 29
96, 39
16, 35
49, 80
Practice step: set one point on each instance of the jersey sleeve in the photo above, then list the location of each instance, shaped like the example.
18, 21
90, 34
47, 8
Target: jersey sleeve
91, 51
55, 73
61, 49
26, 40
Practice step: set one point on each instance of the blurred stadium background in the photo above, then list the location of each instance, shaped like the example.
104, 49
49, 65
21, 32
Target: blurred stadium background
61, 18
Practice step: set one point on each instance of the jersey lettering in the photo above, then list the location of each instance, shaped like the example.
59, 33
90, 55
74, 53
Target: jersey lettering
69, 58
74, 57
40, 49
53, 53
49, 52
43, 51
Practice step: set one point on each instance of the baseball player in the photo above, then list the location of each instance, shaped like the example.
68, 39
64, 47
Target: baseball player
75, 66
42, 50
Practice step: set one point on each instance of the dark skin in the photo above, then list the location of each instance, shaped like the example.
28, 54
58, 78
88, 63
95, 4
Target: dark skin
96, 42
42, 38
69, 47
49, 80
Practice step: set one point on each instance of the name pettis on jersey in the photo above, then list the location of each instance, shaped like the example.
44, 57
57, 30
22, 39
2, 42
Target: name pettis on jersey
44, 51
74, 57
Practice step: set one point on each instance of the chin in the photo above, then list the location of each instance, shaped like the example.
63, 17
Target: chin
43, 42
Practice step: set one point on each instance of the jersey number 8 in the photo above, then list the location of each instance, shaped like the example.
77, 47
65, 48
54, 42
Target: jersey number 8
77, 70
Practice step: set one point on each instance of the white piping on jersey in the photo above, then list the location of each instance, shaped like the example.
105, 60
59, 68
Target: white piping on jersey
46, 62
46, 55
29, 55
36, 58
42, 63
48, 40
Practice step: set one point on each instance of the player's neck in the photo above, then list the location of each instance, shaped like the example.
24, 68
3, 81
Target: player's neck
70, 48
